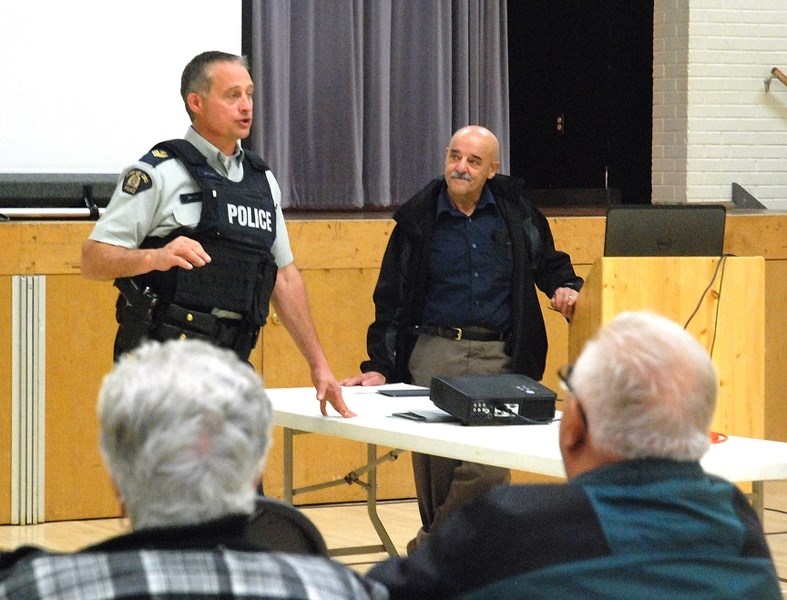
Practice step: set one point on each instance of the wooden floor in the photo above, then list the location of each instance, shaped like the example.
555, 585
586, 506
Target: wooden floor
349, 525
341, 525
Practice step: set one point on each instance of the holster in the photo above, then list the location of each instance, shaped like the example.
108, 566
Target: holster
135, 312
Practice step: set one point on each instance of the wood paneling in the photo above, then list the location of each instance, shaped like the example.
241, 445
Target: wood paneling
340, 264
5, 399
41, 248
776, 347
719, 301
80, 331
339, 259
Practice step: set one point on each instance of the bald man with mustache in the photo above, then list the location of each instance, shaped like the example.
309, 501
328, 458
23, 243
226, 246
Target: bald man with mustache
457, 295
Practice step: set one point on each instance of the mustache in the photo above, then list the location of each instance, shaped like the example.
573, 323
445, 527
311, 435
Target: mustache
462, 176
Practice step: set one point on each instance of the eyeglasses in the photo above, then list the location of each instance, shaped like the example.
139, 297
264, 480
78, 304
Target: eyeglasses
564, 375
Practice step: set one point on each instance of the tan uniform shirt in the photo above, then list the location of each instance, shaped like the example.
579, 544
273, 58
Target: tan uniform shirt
147, 200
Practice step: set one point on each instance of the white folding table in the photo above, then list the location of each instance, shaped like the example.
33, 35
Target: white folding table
531, 448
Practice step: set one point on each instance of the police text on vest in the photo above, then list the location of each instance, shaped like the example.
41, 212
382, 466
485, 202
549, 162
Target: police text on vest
255, 218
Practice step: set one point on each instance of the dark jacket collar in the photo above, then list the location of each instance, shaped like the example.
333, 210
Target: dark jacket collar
228, 531
412, 212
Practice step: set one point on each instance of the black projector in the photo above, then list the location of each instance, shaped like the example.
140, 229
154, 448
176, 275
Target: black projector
494, 399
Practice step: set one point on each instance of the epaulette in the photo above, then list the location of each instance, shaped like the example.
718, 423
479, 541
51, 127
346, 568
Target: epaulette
173, 149
156, 156
186, 152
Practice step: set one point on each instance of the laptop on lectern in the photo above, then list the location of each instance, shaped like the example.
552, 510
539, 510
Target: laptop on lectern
664, 230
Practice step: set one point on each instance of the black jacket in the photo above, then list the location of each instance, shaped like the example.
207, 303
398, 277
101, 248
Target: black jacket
401, 288
646, 528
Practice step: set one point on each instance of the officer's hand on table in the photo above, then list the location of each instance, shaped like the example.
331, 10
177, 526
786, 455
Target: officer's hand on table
182, 252
369, 378
564, 301
329, 390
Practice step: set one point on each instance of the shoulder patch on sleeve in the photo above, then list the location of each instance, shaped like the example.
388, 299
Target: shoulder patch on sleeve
136, 180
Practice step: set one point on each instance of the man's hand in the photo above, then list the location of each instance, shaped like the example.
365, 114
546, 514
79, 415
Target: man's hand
370, 378
564, 301
182, 252
103, 262
291, 304
329, 390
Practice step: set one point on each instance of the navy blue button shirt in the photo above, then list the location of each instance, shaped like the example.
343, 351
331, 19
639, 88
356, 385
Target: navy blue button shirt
470, 267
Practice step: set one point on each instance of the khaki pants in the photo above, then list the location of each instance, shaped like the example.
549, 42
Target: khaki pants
444, 484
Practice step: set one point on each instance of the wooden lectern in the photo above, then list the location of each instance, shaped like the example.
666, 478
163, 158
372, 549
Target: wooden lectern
728, 296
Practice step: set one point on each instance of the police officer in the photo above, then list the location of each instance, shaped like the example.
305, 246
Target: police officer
194, 234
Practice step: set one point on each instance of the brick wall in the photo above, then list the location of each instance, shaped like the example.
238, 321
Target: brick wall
713, 121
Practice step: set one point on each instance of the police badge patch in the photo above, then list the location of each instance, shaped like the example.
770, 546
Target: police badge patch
136, 180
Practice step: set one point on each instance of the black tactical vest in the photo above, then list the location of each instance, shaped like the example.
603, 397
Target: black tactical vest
237, 229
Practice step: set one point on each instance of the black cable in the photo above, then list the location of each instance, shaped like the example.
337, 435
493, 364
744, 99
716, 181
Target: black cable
719, 267
722, 260
525, 420
718, 303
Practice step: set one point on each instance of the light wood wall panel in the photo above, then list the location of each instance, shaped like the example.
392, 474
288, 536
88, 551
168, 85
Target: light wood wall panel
776, 347
340, 290
709, 297
340, 304
80, 332
339, 259
5, 399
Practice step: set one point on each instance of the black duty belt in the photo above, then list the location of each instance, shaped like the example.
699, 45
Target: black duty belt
472, 334
179, 322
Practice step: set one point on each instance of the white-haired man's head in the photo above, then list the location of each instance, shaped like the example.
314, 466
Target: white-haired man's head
185, 429
645, 388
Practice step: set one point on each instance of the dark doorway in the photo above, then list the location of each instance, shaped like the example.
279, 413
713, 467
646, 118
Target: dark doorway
581, 85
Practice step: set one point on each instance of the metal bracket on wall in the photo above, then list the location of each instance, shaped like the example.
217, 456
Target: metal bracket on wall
775, 74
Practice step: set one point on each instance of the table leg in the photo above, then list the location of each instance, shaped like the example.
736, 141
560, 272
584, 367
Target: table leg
758, 498
371, 502
372, 461
287, 451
